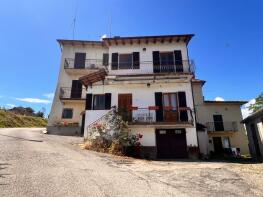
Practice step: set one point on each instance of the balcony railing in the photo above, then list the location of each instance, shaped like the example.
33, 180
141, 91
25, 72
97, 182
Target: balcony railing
150, 67
70, 63
148, 115
221, 126
71, 94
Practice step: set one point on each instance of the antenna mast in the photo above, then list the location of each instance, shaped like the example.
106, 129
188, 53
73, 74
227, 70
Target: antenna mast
74, 20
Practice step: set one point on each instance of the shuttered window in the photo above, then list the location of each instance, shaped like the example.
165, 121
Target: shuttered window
88, 102
159, 104
67, 113
178, 61
102, 101
182, 103
136, 60
79, 61
114, 61
76, 89
105, 59
156, 61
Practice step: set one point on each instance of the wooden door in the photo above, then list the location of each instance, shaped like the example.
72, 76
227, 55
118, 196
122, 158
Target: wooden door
171, 143
124, 106
170, 107
218, 146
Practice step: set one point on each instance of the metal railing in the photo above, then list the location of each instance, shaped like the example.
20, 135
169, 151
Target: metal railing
221, 126
149, 67
143, 67
70, 63
148, 115
69, 93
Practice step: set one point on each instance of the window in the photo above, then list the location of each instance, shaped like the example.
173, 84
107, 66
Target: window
99, 102
79, 61
170, 101
67, 113
167, 58
105, 60
125, 61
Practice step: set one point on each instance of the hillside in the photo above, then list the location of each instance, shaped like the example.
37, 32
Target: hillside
9, 119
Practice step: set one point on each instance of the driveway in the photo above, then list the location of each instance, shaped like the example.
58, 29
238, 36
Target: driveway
35, 164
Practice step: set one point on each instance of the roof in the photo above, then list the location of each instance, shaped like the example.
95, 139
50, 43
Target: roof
138, 39
226, 102
256, 114
79, 42
146, 39
198, 81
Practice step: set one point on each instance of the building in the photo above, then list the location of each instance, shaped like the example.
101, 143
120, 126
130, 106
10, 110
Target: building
152, 82
254, 126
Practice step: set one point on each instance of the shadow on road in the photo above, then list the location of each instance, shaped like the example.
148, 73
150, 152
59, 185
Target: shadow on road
20, 138
3, 175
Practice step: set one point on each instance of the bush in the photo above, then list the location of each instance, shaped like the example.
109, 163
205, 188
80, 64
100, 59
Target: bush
112, 135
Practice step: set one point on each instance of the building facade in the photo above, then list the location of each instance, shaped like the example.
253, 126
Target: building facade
151, 81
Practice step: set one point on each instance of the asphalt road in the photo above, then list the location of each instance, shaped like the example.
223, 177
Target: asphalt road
34, 164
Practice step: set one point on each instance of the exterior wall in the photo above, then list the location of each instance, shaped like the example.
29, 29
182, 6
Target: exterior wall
259, 131
145, 56
142, 97
229, 112
65, 80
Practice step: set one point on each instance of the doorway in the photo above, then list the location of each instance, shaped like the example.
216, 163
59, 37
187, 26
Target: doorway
218, 146
124, 106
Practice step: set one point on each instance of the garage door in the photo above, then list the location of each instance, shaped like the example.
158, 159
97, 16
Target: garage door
171, 143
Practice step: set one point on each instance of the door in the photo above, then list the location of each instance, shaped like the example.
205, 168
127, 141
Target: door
171, 143
124, 106
218, 122
218, 146
76, 89
82, 125
170, 107
79, 61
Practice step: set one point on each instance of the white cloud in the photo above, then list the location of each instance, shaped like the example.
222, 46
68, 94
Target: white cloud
218, 98
34, 100
10, 105
104, 36
49, 95
245, 109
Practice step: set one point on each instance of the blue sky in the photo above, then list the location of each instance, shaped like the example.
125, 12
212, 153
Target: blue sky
227, 47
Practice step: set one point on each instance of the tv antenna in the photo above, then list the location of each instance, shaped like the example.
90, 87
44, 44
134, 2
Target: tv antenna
74, 20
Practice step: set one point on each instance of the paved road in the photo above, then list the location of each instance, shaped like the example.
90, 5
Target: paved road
34, 164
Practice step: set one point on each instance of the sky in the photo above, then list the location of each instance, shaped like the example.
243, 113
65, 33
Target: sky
227, 47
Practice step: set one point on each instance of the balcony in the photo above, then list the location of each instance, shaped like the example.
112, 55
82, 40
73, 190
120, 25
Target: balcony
67, 93
221, 127
88, 66
148, 116
184, 67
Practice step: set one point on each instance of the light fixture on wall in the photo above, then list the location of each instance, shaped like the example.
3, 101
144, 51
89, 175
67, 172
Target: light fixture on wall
148, 85
144, 49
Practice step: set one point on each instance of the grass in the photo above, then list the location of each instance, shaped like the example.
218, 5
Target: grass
9, 119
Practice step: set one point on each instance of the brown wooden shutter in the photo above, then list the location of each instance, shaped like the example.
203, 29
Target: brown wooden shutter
88, 102
108, 101
114, 61
156, 61
178, 61
159, 104
182, 103
79, 61
105, 59
136, 60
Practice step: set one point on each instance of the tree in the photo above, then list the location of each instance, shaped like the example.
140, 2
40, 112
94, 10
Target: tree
258, 103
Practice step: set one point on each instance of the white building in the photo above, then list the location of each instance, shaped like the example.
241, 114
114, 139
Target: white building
151, 81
